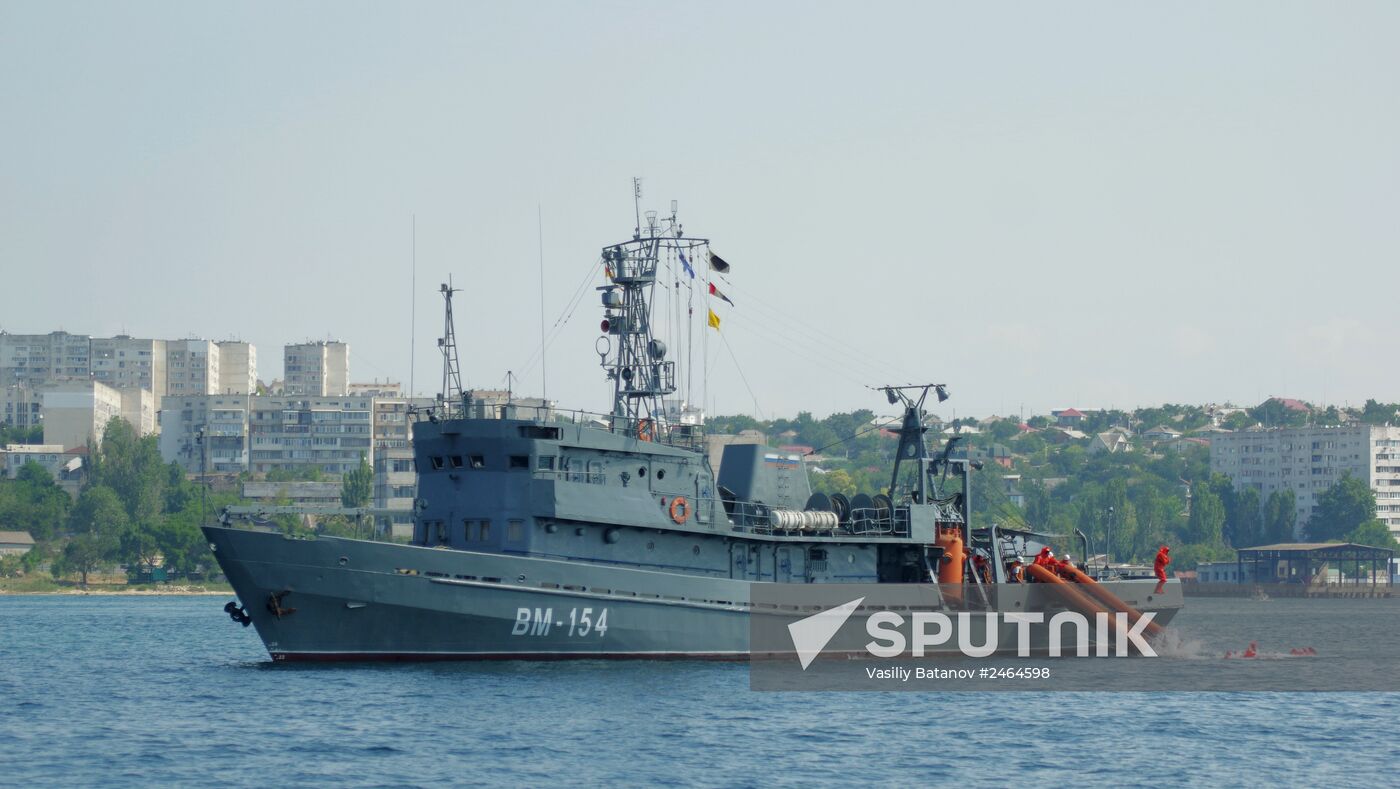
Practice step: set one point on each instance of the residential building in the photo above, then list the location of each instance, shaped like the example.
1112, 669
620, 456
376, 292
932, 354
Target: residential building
1161, 433
77, 412
21, 405
1110, 441
15, 543
396, 488
191, 367
59, 462
1069, 417
34, 359
238, 368
377, 389
1309, 460
139, 410
316, 369
125, 362
205, 432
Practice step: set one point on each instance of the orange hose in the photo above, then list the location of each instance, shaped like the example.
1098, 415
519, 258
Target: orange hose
1085, 604
1113, 601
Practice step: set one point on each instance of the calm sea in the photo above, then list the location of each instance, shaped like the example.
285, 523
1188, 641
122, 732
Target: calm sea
117, 691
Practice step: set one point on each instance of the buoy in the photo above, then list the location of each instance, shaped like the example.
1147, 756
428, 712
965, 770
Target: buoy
680, 509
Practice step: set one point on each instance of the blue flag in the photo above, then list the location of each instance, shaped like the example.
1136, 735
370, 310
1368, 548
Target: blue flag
686, 263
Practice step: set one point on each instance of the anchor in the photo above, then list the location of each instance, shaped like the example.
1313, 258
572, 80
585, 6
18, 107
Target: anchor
274, 604
237, 614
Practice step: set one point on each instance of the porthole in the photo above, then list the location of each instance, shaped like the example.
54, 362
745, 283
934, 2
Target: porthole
651, 545
695, 550
642, 472
661, 473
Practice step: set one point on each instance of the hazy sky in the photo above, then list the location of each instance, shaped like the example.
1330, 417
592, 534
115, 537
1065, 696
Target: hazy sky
1041, 204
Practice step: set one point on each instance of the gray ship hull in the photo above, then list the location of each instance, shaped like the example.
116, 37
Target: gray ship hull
331, 598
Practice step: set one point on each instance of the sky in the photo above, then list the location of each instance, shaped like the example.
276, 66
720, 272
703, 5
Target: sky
1109, 204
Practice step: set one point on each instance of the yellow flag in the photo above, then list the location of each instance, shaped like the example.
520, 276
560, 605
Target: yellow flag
714, 320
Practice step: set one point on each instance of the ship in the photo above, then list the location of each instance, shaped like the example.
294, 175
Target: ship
540, 534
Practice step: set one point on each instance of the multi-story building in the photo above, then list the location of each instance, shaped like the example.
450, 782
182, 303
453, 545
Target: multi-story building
191, 367
205, 432
1309, 460
238, 368
316, 369
21, 405
34, 359
125, 362
77, 412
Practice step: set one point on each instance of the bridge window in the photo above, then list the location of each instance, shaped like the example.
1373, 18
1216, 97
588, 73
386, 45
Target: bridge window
546, 463
536, 431
437, 462
456, 461
519, 461
515, 531
485, 531
477, 461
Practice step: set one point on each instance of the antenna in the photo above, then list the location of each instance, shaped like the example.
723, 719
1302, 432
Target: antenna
637, 205
544, 378
413, 310
451, 366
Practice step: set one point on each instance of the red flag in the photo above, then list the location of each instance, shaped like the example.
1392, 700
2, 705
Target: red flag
714, 291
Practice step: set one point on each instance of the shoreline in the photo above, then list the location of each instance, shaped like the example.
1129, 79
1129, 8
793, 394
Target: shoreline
172, 592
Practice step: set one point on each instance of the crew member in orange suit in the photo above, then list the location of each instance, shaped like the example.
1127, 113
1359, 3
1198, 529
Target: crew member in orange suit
1159, 566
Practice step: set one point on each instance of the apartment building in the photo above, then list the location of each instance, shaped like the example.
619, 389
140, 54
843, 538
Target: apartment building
316, 369
238, 368
125, 362
205, 432
76, 412
21, 405
1309, 460
191, 367
35, 359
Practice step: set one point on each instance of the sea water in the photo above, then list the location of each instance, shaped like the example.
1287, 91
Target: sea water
166, 691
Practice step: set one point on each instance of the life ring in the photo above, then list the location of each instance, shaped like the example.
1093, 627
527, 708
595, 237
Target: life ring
644, 430
680, 509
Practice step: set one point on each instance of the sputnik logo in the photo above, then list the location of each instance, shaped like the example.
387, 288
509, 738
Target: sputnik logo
811, 635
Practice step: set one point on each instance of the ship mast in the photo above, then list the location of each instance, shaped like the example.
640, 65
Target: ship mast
451, 394
634, 358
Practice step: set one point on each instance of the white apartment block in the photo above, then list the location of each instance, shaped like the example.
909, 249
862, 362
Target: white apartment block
191, 367
34, 359
125, 362
1308, 460
78, 411
238, 368
21, 405
205, 433
316, 369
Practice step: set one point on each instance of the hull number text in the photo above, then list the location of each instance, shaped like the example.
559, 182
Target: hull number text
577, 623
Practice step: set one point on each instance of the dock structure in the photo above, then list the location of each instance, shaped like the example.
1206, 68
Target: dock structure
1362, 570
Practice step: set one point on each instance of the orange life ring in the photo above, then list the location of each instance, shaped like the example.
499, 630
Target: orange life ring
644, 430
680, 509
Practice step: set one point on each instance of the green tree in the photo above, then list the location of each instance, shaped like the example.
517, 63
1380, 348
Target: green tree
85, 553
1244, 528
33, 502
1374, 533
1207, 520
1280, 517
1341, 509
357, 487
835, 481
132, 468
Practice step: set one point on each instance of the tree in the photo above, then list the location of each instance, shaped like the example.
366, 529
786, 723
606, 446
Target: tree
1280, 516
85, 553
1375, 534
358, 485
1207, 518
1245, 519
132, 468
836, 481
1341, 509
98, 511
33, 502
